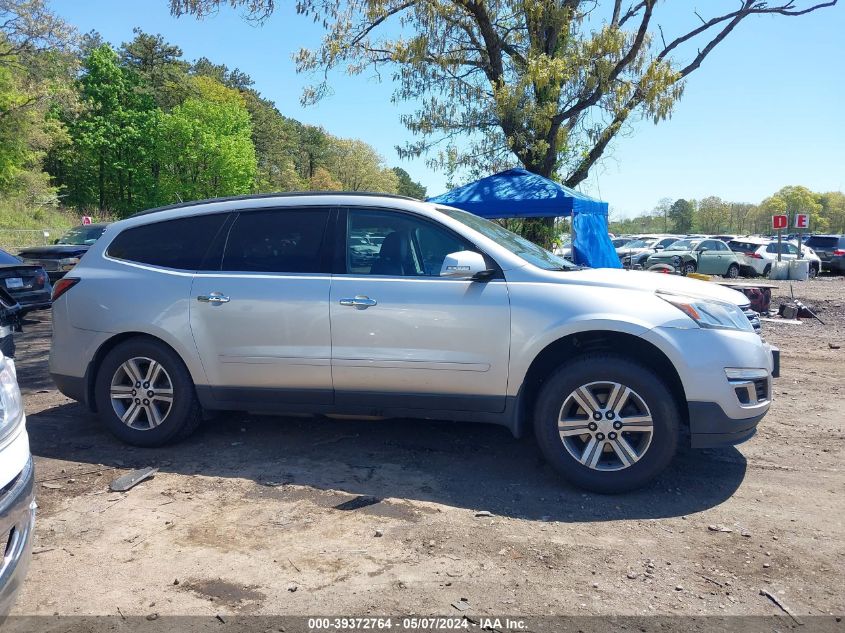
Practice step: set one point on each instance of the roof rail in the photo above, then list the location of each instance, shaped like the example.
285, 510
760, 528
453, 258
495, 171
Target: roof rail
262, 196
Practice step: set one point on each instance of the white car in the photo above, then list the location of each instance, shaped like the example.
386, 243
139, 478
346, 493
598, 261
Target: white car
17, 488
758, 254
257, 304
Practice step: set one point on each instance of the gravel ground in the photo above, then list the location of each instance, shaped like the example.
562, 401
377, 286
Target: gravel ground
282, 515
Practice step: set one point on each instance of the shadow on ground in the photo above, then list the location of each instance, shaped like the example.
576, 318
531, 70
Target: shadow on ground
472, 466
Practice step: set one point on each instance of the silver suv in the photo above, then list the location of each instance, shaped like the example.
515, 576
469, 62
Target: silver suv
375, 305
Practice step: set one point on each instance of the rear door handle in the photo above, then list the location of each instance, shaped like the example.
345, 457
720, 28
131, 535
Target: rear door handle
361, 302
214, 297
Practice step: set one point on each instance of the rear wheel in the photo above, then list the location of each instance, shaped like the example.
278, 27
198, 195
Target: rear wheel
733, 271
606, 423
814, 270
145, 395
767, 270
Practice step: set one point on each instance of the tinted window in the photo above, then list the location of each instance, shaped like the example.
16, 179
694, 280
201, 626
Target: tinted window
179, 244
721, 246
277, 241
784, 248
6, 258
386, 243
824, 242
743, 247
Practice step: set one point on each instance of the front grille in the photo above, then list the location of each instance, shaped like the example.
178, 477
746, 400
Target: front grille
761, 389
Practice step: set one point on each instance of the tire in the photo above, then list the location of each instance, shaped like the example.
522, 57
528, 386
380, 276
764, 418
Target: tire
733, 271
177, 419
814, 271
689, 267
767, 270
651, 452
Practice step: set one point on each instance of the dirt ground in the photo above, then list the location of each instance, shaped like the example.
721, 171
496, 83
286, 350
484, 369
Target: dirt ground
283, 515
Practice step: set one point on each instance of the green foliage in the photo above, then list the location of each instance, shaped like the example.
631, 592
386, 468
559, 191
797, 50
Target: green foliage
681, 215
204, 146
407, 187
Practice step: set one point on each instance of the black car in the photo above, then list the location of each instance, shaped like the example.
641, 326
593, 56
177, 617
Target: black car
64, 253
28, 284
831, 251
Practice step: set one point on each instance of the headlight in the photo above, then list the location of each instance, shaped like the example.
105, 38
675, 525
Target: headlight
11, 405
708, 313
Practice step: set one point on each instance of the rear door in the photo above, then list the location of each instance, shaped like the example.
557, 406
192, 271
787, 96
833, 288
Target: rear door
404, 337
260, 318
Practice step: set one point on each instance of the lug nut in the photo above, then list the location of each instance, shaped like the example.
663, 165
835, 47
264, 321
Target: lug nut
138, 385
151, 393
609, 415
134, 393
137, 401
612, 435
146, 385
597, 416
592, 426
599, 436
146, 402
617, 425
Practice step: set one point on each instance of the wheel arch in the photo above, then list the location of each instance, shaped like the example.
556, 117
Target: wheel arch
102, 351
621, 343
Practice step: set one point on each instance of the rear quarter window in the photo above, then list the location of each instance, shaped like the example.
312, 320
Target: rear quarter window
825, 242
742, 247
180, 244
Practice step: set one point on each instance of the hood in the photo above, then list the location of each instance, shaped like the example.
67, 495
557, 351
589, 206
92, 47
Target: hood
671, 253
54, 251
651, 282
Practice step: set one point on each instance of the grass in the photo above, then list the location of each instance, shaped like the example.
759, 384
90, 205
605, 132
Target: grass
23, 225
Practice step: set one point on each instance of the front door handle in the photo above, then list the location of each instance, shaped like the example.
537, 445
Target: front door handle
215, 298
361, 302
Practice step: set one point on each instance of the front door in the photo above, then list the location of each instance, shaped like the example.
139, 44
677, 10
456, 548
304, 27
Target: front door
402, 336
710, 261
261, 322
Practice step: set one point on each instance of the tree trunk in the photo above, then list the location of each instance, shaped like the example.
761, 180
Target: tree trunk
102, 183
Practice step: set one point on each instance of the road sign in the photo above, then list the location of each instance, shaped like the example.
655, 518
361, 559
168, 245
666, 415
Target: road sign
802, 221
86, 220
780, 222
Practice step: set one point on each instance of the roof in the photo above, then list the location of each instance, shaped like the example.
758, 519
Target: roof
264, 196
519, 193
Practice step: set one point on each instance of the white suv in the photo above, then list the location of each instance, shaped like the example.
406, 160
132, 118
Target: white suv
266, 303
758, 254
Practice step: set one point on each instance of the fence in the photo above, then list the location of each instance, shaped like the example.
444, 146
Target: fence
13, 240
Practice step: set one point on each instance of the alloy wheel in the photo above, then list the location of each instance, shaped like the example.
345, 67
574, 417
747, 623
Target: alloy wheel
605, 426
141, 393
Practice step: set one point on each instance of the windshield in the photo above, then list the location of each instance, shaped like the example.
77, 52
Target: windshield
516, 244
683, 245
82, 235
638, 244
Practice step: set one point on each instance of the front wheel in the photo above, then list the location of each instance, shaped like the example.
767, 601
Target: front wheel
733, 271
145, 395
606, 423
688, 268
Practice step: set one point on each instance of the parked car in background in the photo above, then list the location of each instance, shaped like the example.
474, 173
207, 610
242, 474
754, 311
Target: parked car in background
757, 255
28, 284
831, 251
17, 487
636, 253
61, 256
706, 256
257, 304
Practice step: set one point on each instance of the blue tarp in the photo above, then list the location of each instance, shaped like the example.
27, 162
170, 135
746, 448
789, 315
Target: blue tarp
518, 193
591, 245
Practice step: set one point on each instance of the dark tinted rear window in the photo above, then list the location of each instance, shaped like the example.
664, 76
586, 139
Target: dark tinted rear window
822, 241
742, 247
179, 244
277, 241
6, 258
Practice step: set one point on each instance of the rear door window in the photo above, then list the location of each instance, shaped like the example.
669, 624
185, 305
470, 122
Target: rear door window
179, 244
277, 241
823, 242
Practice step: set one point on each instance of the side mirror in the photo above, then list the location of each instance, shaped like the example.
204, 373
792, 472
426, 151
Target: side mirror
659, 247
702, 249
464, 265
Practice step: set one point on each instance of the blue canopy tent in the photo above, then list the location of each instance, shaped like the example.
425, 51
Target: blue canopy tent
518, 193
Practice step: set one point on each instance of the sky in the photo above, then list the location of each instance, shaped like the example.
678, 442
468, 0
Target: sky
765, 110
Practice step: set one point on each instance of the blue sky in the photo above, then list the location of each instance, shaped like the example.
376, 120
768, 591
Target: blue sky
763, 111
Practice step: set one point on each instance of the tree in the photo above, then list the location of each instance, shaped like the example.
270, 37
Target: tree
713, 215
681, 213
275, 142
796, 199
160, 64
358, 167
662, 211
106, 161
833, 211
408, 187
545, 83
205, 146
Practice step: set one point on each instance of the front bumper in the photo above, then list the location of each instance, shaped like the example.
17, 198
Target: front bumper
710, 426
17, 522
